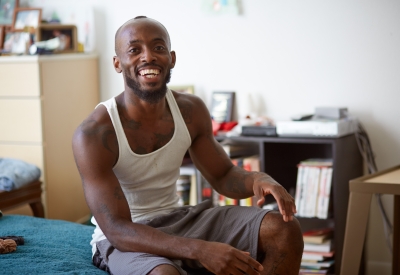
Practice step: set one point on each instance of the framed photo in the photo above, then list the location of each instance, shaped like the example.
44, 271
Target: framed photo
2, 30
66, 33
183, 89
222, 106
7, 8
16, 42
26, 19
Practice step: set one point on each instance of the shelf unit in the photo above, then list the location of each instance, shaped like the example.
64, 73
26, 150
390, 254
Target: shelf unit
279, 157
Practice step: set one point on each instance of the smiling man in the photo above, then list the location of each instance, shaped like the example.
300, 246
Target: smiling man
128, 152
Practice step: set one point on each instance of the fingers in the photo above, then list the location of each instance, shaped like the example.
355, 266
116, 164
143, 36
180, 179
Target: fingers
261, 201
247, 264
265, 185
259, 194
221, 258
285, 202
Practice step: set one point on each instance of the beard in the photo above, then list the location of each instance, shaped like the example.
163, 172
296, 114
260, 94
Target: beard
150, 96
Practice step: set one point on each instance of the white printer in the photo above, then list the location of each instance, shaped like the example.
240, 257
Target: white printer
326, 122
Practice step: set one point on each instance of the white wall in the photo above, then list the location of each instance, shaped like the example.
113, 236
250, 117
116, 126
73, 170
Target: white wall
282, 57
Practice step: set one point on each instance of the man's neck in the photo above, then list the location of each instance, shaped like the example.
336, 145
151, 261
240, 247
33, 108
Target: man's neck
135, 108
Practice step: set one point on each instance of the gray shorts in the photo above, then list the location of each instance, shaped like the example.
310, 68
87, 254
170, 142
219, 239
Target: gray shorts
234, 225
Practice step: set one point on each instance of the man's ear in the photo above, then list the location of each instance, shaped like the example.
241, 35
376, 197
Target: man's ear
173, 55
116, 63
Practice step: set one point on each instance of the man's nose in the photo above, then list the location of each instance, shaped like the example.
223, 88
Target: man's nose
147, 56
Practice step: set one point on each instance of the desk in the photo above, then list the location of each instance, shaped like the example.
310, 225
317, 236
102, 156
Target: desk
361, 191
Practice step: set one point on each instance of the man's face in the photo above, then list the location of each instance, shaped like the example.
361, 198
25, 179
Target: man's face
144, 57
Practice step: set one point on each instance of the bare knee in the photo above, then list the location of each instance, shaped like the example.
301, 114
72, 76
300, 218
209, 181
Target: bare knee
164, 269
278, 235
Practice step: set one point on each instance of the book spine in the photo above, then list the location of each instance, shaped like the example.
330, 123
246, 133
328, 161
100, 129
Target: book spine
325, 192
304, 190
322, 193
314, 186
193, 190
309, 197
300, 171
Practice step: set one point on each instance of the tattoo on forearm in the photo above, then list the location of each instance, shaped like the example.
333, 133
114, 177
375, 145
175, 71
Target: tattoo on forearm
236, 184
118, 194
103, 209
276, 264
128, 231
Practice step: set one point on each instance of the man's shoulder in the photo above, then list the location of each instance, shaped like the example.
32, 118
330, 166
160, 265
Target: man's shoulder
194, 112
96, 121
185, 100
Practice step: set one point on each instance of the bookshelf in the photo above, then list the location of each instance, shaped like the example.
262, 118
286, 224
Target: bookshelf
279, 157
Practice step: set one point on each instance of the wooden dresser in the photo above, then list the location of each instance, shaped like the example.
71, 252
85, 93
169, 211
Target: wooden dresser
42, 101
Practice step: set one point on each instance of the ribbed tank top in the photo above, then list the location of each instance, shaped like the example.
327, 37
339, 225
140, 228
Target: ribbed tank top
148, 181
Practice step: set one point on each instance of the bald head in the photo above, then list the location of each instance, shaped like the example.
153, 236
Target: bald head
136, 22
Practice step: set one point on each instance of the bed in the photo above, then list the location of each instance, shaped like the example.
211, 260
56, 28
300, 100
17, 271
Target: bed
51, 246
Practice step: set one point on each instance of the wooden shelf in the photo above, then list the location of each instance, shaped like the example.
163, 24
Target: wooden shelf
279, 157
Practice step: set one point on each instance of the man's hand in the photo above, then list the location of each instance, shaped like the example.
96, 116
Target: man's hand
265, 185
221, 259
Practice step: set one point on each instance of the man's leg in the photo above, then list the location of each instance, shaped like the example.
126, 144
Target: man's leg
114, 261
280, 245
164, 269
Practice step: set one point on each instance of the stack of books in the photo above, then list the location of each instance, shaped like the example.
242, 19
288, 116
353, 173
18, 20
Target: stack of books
313, 188
318, 251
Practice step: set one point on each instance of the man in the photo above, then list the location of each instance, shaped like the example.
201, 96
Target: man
128, 152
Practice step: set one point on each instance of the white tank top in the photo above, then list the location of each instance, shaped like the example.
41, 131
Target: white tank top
148, 181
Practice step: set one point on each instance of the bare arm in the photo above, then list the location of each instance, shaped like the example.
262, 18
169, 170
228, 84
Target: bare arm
96, 151
230, 180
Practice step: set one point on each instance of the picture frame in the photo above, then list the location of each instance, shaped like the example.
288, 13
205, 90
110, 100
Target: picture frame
2, 32
7, 8
222, 104
186, 89
16, 42
26, 19
67, 33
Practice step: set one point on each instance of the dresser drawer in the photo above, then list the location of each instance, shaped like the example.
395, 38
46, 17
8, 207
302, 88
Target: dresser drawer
19, 79
20, 120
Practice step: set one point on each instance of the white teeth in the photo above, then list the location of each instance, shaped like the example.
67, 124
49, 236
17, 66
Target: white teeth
149, 71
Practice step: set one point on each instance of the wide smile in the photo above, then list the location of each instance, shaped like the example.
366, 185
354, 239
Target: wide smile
149, 73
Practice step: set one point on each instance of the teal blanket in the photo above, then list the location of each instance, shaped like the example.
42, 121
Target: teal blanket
51, 247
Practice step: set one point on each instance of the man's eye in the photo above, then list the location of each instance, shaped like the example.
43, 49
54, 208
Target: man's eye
133, 50
160, 48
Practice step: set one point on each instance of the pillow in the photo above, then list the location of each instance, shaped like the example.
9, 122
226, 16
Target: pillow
15, 173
